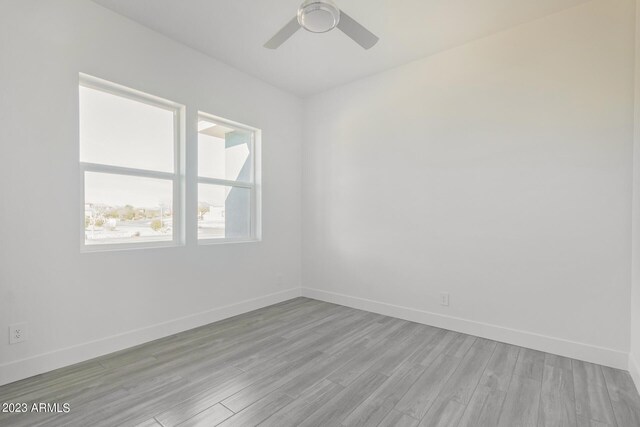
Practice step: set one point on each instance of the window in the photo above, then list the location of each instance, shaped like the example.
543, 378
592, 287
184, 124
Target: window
130, 167
133, 172
227, 197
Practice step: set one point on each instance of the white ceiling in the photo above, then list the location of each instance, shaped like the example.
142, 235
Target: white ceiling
234, 31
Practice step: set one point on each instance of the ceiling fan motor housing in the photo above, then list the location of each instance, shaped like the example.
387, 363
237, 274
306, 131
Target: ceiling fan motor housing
318, 16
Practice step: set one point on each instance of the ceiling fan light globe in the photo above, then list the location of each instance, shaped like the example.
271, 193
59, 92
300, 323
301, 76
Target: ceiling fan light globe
318, 16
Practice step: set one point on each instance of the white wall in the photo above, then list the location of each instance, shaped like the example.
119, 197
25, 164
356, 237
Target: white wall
634, 359
82, 305
500, 172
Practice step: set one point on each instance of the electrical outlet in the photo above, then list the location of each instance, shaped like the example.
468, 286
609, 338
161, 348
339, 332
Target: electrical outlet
17, 332
444, 298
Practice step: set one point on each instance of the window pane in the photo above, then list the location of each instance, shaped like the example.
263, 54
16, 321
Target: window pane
127, 209
223, 152
122, 132
223, 212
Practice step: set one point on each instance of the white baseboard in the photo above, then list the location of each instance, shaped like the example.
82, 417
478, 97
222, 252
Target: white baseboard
634, 369
24, 368
575, 350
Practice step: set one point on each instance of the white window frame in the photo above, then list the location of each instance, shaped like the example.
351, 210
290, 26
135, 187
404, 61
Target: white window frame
255, 210
176, 177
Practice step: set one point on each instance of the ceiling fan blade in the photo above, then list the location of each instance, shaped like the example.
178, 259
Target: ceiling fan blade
357, 32
281, 36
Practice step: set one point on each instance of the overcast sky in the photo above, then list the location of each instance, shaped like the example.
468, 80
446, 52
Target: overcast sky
122, 132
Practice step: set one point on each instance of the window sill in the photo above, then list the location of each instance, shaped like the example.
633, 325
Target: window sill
211, 242
118, 247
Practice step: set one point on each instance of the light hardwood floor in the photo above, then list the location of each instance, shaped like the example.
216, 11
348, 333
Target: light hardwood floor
309, 363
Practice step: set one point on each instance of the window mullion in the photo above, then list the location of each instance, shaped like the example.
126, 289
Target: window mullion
119, 170
225, 182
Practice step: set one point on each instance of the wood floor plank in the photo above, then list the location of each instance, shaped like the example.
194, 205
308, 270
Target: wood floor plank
459, 345
331, 315
389, 361
259, 411
458, 390
305, 405
558, 361
500, 368
520, 408
360, 364
557, 397
464, 380
530, 364
584, 422
113, 391
211, 416
443, 342
149, 423
375, 330
624, 396
248, 395
282, 350
320, 370
522, 403
592, 397
484, 408
380, 402
217, 391
443, 415
426, 351
423, 393
125, 407
398, 419
341, 405
180, 392
53, 382
197, 403
334, 334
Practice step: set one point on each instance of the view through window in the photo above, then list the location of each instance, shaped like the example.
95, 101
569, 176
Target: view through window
131, 177
226, 186
127, 153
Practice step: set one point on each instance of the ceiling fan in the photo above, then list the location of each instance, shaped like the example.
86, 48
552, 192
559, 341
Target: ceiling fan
320, 16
